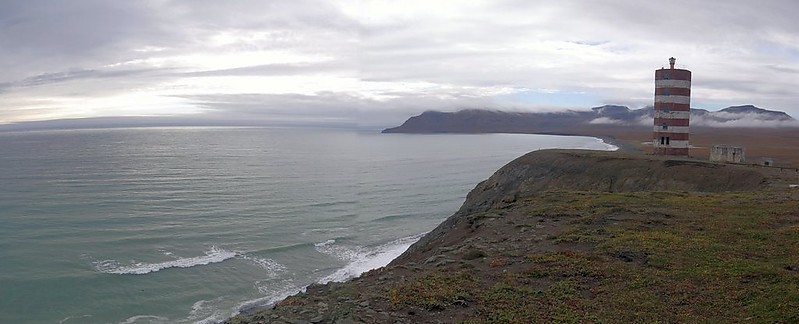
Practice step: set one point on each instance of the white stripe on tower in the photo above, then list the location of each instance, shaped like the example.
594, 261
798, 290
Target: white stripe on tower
678, 144
673, 84
685, 100
672, 114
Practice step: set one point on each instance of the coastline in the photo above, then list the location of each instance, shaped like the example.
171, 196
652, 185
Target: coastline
624, 145
398, 186
514, 245
620, 146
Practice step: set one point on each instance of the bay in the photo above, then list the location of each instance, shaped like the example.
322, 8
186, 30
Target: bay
191, 225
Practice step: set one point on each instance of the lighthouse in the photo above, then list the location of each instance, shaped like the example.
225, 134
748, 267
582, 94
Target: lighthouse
672, 110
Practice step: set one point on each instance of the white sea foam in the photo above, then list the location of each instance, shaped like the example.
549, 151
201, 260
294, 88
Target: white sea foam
344, 253
272, 267
73, 318
272, 297
149, 319
360, 260
608, 146
325, 243
197, 307
205, 311
213, 255
363, 259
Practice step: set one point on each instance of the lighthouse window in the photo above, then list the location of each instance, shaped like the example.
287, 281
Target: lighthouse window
667, 141
662, 140
666, 76
664, 126
666, 92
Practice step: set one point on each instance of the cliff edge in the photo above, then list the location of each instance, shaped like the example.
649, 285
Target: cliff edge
565, 235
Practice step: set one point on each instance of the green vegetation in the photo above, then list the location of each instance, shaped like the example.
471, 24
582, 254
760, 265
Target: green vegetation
435, 291
577, 236
637, 257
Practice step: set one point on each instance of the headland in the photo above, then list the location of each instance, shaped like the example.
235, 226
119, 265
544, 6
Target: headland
765, 134
584, 236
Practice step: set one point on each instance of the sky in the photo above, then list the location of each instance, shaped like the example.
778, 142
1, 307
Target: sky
377, 62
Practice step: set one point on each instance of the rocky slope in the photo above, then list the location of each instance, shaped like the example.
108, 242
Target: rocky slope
580, 236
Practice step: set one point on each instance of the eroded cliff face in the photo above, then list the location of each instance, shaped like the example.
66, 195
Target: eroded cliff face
605, 172
582, 170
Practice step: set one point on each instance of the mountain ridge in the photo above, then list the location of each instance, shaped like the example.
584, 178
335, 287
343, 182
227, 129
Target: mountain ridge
495, 121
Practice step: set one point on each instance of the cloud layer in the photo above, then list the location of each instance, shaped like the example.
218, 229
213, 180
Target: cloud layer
377, 62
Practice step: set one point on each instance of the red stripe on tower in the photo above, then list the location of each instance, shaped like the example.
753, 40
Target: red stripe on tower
672, 110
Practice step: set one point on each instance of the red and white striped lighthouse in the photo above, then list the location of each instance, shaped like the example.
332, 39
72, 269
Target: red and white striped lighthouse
672, 110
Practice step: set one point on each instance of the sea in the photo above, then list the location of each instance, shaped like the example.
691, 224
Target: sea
194, 225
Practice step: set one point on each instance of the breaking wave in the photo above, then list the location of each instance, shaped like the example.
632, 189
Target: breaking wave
213, 255
362, 259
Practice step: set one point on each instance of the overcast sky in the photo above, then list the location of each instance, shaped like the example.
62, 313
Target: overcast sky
382, 61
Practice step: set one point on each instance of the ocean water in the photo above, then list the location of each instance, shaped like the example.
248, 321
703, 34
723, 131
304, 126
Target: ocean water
192, 225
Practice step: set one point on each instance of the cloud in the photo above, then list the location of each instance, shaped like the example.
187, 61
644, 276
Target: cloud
384, 57
279, 69
702, 118
606, 121
753, 120
327, 107
67, 76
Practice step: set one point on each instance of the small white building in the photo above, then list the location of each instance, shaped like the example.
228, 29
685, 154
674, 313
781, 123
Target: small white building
729, 154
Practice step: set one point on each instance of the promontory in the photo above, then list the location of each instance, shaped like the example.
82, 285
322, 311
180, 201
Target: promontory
584, 236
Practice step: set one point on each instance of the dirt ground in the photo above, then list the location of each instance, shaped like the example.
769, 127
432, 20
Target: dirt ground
779, 144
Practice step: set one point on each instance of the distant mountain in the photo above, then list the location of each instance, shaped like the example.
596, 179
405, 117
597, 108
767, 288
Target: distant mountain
738, 112
750, 109
488, 121
491, 121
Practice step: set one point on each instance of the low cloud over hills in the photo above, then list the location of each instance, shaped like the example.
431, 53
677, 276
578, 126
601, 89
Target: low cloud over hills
485, 121
735, 116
